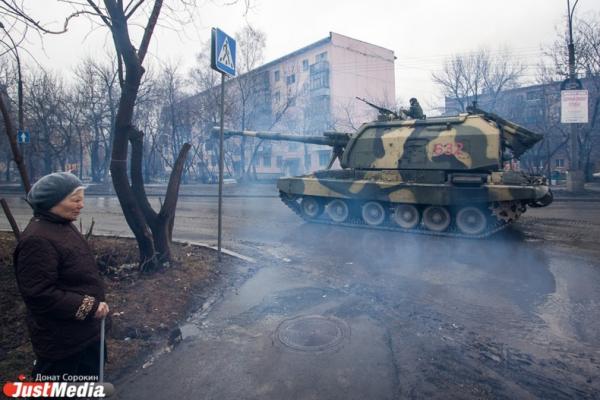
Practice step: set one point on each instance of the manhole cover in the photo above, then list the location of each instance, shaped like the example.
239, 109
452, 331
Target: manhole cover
312, 333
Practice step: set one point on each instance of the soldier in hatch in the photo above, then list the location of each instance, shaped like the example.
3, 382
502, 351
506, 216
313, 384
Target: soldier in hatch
415, 111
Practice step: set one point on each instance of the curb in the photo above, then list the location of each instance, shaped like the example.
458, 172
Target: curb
215, 248
186, 242
178, 241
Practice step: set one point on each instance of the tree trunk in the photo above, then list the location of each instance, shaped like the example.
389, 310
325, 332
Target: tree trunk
242, 171
8, 162
152, 231
118, 168
161, 224
80, 156
123, 129
167, 212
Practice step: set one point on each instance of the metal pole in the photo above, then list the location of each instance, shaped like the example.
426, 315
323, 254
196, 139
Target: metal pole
221, 162
575, 179
102, 328
572, 77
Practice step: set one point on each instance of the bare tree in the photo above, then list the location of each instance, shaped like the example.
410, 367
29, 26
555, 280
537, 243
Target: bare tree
207, 83
151, 228
12, 47
98, 90
465, 77
587, 56
45, 100
252, 86
589, 59
176, 114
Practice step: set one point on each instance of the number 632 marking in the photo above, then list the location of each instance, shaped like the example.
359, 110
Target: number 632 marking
448, 149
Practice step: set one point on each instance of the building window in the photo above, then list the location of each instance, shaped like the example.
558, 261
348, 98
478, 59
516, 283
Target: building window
279, 161
276, 76
533, 115
290, 79
321, 56
307, 161
277, 97
559, 163
319, 80
304, 65
305, 88
266, 159
534, 95
291, 100
324, 157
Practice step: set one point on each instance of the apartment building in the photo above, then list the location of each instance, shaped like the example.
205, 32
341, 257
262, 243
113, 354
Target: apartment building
312, 90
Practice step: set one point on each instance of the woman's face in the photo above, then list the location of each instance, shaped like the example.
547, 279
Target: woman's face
70, 207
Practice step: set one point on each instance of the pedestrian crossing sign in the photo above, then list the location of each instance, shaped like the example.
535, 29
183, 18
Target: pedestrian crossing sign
222, 52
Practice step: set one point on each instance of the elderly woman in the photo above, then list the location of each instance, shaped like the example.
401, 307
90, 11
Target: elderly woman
59, 281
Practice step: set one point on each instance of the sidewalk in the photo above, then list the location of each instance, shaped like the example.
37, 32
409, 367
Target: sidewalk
591, 193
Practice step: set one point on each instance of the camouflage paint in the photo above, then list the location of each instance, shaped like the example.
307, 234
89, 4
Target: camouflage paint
411, 193
465, 143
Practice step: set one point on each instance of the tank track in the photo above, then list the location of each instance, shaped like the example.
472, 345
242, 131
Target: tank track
452, 231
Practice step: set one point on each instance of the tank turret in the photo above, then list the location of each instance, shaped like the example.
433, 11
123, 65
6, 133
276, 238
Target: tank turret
441, 175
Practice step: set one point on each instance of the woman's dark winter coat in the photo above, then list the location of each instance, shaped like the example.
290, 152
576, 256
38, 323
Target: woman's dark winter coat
60, 283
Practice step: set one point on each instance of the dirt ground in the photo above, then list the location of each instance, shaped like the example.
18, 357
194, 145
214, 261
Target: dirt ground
145, 309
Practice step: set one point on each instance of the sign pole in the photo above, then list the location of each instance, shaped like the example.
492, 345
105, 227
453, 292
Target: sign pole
575, 179
221, 165
222, 59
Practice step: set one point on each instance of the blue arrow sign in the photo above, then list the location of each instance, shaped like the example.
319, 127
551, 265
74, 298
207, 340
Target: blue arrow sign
222, 57
23, 136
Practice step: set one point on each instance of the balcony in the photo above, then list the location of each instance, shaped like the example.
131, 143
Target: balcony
319, 67
322, 91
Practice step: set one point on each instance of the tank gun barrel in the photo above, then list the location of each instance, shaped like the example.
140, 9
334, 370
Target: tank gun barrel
385, 112
334, 139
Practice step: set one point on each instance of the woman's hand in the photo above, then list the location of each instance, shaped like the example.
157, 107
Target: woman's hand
102, 310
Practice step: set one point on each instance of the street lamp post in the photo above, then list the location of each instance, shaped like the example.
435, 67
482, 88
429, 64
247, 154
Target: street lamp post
575, 181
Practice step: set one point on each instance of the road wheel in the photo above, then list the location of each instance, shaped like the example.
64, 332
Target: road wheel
406, 216
373, 213
311, 207
436, 218
471, 220
338, 210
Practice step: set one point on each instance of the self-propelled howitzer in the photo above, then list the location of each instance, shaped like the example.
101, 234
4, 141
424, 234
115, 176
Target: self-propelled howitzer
441, 175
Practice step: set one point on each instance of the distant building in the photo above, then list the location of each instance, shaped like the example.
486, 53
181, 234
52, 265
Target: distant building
309, 91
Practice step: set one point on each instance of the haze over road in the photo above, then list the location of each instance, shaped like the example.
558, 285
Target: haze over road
340, 313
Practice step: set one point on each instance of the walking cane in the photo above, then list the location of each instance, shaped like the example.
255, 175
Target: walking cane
102, 326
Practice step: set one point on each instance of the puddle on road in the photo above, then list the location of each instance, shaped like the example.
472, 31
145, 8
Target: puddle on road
237, 301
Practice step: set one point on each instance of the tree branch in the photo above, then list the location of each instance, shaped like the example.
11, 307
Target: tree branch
99, 13
18, 13
149, 30
135, 7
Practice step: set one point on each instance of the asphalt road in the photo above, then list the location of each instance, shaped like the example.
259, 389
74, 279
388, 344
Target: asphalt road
342, 313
